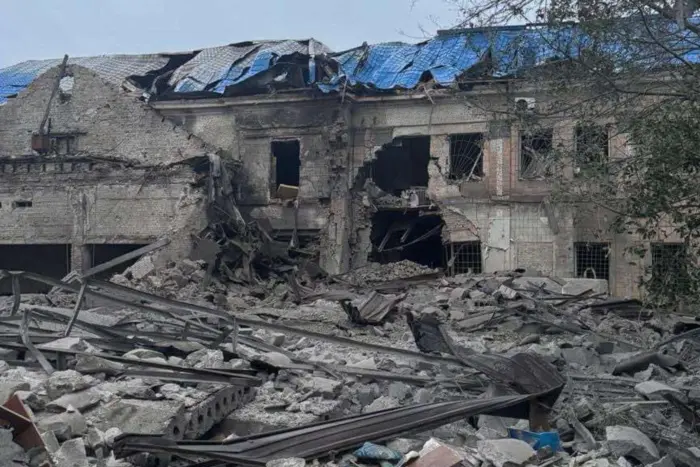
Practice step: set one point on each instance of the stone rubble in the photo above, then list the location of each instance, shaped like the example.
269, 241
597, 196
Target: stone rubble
639, 417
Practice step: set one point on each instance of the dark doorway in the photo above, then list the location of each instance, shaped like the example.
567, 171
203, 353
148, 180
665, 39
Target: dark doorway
48, 260
402, 164
397, 236
103, 252
287, 163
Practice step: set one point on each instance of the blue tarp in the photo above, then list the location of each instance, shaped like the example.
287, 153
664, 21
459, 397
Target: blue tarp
388, 66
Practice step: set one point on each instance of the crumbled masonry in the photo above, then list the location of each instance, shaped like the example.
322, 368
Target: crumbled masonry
145, 369
267, 254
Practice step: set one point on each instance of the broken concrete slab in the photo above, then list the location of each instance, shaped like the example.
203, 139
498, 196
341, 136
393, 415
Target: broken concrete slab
71, 454
64, 382
91, 364
665, 461
288, 462
65, 425
655, 390
8, 388
68, 343
505, 452
630, 442
136, 416
141, 268
10, 452
328, 388
81, 401
142, 354
206, 358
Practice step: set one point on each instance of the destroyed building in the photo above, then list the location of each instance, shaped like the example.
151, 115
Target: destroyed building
378, 153
215, 175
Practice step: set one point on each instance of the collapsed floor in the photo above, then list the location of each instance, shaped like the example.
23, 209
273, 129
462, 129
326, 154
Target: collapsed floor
515, 369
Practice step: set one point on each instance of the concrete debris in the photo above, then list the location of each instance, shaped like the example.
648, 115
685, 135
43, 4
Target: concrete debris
289, 462
162, 354
71, 454
11, 454
630, 442
505, 452
64, 382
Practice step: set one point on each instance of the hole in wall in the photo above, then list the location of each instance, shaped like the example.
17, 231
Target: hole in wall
402, 164
102, 252
49, 260
413, 236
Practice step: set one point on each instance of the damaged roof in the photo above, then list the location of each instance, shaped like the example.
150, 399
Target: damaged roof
255, 67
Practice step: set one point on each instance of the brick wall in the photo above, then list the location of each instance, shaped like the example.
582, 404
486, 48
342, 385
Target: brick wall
107, 122
80, 198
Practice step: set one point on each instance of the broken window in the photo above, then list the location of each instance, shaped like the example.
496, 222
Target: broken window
465, 257
592, 260
62, 144
668, 260
592, 144
535, 152
467, 156
402, 165
22, 204
286, 162
398, 235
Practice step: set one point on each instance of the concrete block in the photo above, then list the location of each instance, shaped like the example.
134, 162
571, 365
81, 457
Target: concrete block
91, 364
630, 442
8, 388
71, 454
655, 390
505, 452
64, 382
65, 425
81, 401
137, 416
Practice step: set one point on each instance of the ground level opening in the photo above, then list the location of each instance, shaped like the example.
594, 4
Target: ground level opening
103, 252
402, 164
413, 236
49, 260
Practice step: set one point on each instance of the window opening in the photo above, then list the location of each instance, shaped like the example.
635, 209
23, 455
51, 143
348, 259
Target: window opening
465, 257
467, 156
592, 260
287, 164
535, 147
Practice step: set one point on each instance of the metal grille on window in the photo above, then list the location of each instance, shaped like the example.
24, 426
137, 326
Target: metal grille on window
535, 149
668, 260
592, 260
467, 156
592, 144
464, 258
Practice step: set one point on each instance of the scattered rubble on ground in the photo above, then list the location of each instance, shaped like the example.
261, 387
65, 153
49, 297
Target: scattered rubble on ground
185, 363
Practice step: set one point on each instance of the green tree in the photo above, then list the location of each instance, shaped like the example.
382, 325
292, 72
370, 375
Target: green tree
632, 65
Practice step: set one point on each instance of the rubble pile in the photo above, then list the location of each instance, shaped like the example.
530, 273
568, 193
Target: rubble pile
398, 366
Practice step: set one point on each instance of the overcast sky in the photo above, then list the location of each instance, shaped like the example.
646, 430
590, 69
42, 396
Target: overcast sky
36, 29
